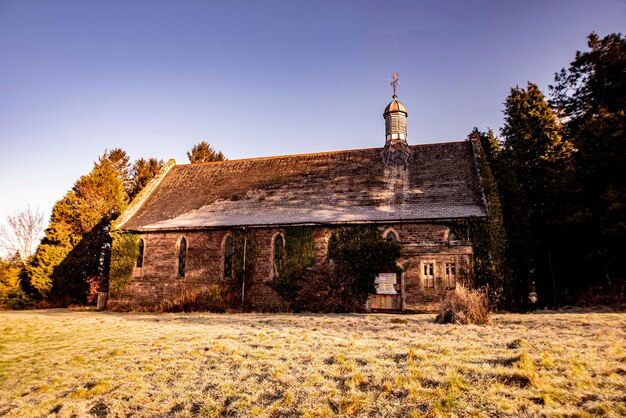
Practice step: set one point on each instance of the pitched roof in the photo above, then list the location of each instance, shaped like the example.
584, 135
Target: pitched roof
440, 182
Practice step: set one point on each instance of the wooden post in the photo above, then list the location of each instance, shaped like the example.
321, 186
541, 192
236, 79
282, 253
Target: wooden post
402, 295
102, 301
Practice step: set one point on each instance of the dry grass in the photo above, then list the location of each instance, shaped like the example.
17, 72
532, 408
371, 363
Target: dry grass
464, 306
100, 363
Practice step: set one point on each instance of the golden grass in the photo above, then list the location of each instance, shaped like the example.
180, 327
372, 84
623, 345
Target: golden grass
65, 363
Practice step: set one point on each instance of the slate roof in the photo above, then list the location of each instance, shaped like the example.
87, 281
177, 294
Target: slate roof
440, 182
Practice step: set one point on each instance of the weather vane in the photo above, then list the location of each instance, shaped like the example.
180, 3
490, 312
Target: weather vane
394, 82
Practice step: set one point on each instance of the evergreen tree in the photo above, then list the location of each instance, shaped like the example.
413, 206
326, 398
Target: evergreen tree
534, 147
120, 161
518, 263
204, 153
142, 172
75, 244
536, 164
11, 293
75, 250
591, 94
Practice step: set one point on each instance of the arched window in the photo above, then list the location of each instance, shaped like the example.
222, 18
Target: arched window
228, 257
182, 257
279, 253
140, 255
391, 235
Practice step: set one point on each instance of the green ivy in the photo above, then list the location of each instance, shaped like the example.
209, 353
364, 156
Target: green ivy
361, 253
124, 253
356, 255
299, 257
488, 236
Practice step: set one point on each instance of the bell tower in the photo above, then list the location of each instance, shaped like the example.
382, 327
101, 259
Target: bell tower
396, 151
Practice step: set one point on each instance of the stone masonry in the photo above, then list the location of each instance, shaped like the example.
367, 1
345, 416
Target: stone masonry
158, 279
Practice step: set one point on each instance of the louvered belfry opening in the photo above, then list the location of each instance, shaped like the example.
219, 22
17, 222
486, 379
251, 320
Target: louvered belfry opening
396, 151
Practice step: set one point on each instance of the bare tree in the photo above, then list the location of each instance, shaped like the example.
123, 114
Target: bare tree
20, 233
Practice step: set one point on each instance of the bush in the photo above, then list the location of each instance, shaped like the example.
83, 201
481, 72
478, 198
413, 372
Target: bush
464, 306
95, 285
327, 288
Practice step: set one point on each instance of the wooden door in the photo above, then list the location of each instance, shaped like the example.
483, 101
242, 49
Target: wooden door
388, 295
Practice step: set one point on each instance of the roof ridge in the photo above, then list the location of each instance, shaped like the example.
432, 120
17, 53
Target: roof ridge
274, 157
312, 154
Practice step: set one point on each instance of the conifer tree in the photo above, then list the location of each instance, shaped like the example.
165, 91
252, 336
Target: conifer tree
539, 160
203, 152
591, 95
142, 172
75, 243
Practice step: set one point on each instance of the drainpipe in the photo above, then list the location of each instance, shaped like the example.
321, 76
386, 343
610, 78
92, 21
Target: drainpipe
243, 281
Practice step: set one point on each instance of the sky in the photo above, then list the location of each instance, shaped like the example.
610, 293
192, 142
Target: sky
259, 78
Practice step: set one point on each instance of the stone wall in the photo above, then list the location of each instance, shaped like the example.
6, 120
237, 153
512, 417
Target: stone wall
158, 278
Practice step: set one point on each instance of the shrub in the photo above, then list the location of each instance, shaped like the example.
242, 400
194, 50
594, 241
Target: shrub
95, 284
464, 306
326, 288
214, 299
122, 305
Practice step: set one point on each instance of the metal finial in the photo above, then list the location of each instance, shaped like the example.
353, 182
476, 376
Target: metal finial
394, 82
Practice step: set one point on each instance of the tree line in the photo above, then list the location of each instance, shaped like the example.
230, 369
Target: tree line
561, 178
555, 179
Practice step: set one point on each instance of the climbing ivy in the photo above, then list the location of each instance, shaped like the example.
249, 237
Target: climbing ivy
488, 236
361, 253
342, 283
124, 253
299, 257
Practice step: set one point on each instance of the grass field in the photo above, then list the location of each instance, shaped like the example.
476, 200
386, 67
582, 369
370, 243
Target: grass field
72, 363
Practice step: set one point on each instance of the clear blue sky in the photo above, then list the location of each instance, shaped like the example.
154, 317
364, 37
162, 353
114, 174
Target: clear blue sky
258, 78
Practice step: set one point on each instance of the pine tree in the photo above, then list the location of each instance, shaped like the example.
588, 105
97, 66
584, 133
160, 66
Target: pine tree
203, 152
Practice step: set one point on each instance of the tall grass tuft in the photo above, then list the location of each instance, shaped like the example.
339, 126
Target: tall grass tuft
464, 306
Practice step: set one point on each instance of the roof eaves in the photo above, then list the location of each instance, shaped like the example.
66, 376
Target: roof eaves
305, 224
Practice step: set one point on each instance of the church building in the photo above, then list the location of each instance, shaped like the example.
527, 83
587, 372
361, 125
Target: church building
188, 215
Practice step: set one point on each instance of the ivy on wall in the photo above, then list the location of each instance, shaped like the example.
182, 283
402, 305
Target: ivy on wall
342, 283
124, 253
360, 253
299, 257
488, 236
